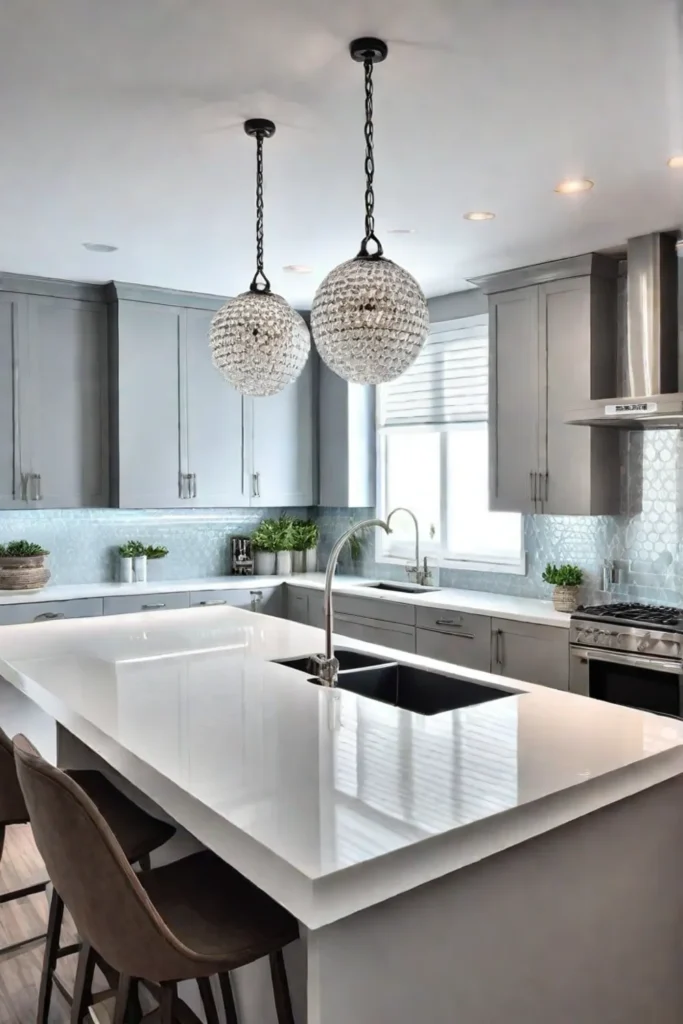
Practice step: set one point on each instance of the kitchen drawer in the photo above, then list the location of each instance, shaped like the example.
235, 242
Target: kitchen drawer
446, 621
374, 608
266, 600
145, 603
469, 649
397, 637
43, 611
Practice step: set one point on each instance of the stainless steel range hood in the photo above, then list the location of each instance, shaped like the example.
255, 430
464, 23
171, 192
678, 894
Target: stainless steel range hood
649, 397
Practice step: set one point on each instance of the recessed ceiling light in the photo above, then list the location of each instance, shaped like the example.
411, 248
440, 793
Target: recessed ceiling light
99, 247
479, 215
298, 268
401, 231
675, 161
573, 185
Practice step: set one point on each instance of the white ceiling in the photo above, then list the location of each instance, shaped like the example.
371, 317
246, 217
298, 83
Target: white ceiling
121, 123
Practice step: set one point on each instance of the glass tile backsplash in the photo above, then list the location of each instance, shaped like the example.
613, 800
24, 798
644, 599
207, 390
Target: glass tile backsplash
645, 542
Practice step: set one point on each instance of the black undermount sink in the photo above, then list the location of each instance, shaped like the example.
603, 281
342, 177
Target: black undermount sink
401, 588
403, 686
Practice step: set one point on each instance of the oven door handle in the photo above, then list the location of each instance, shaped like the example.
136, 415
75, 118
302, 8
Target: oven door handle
635, 661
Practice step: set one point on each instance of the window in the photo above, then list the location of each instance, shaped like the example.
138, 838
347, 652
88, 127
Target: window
433, 456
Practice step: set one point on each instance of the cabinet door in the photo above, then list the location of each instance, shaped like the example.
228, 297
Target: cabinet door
12, 369
66, 419
265, 600
513, 400
149, 339
281, 462
214, 428
532, 653
297, 605
581, 463
46, 611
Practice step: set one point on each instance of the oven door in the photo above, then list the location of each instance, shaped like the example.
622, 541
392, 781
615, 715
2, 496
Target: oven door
634, 680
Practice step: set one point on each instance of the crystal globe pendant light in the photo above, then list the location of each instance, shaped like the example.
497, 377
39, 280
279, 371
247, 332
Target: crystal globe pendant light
258, 342
369, 318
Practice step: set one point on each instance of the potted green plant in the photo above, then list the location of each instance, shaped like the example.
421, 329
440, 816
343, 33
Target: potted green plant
566, 579
265, 541
305, 537
283, 555
22, 566
154, 554
133, 564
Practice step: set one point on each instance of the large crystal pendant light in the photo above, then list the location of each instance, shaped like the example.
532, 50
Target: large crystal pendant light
258, 342
369, 317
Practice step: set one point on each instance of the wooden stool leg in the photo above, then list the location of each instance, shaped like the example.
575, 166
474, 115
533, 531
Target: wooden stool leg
228, 998
54, 928
208, 1002
82, 997
283, 1002
166, 1003
122, 997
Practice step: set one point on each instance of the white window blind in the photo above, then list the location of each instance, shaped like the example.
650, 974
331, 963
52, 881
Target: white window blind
447, 383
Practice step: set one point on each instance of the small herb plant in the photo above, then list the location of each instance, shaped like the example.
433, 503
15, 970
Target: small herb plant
266, 536
132, 549
153, 552
305, 535
563, 575
21, 549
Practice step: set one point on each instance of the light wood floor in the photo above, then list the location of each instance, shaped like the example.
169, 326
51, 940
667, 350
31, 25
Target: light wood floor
21, 865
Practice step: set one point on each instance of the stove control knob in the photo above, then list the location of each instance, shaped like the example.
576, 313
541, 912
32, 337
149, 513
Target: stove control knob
645, 643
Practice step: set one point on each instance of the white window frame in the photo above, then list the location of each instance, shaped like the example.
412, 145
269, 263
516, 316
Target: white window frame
390, 552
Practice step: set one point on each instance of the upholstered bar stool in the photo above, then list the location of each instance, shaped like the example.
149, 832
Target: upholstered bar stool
138, 834
188, 920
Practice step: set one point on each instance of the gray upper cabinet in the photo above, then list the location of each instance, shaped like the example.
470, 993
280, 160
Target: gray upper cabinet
347, 442
176, 425
279, 449
53, 398
552, 348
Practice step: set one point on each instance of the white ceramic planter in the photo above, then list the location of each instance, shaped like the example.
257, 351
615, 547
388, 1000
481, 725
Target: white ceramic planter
283, 563
298, 561
264, 563
311, 560
140, 568
126, 570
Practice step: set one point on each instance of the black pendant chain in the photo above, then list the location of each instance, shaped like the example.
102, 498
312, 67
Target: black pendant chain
260, 129
369, 51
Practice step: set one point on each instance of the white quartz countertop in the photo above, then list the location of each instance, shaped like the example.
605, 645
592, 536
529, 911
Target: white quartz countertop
328, 801
523, 608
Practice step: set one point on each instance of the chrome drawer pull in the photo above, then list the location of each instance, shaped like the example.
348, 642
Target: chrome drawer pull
46, 616
207, 604
151, 607
449, 622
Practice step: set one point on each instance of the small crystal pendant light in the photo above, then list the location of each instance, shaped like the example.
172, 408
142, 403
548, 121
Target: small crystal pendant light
258, 342
369, 317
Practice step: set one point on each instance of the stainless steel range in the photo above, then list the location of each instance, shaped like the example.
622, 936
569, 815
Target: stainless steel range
629, 654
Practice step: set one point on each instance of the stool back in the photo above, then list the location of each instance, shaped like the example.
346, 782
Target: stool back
12, 805
89, 870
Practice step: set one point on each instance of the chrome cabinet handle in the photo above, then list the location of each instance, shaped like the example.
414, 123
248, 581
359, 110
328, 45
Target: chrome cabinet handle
46, 616
193, 479
39, 487
151, 607
449, 622
256, 478
207, 604
33, 487
256, 599
182, 481
531, 484
24, 486
499, 647
546, 487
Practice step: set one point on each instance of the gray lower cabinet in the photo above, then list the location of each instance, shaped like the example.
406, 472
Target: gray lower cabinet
530, 652
45, 611
552, 348
265, 600
297, 605
53, 402
459, 638
279, 445
145, 603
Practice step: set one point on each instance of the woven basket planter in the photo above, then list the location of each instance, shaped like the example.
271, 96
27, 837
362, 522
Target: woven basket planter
23, 573
565, 599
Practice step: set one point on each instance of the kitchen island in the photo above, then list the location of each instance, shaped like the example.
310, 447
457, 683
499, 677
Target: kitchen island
515, 860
